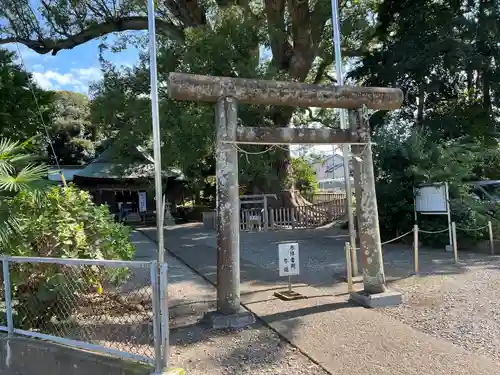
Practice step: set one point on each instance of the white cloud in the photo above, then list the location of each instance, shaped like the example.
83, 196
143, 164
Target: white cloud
51, 80
78, 79
88, 74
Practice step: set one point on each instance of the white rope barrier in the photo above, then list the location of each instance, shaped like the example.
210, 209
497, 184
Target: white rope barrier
433, 232
416, 230
397, 238
472, 229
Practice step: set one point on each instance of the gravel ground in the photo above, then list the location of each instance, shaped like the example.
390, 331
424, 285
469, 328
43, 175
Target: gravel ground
461, 306
201, 351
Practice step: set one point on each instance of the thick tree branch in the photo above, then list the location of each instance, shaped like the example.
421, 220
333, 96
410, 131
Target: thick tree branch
303, 51
280, 46
44, 46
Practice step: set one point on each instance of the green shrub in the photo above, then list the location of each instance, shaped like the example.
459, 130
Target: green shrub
64, 224
405, 160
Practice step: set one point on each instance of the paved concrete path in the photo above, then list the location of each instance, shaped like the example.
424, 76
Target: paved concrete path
343, 338
201, 350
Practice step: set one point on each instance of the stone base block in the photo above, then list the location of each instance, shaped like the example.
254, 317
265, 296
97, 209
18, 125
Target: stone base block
218, 320
171, 371
386, 299
289, 295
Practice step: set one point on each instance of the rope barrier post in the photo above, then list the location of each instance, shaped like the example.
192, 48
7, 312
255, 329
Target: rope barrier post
454, 241
490, 232
415, 247
354, 256
348, 267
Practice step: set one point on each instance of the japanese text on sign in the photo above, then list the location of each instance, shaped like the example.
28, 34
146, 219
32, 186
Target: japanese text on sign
288, 256
142, 201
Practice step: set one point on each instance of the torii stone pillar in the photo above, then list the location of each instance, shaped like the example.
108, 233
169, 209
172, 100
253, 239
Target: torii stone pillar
226, 92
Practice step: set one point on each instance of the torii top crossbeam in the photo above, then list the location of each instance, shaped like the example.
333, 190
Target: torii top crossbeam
183, 86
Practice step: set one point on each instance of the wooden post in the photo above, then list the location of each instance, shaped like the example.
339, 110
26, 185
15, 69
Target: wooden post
266, 215
415, 248
348, 267
228, 231
368, 225
492, 243
454, 241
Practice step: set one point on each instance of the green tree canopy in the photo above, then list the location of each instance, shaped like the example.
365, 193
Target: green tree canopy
214, 37
21, 116
72, 133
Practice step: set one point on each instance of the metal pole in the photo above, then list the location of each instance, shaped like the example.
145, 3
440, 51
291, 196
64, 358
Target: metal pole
165, 339
415, 247
492, 243
454, 238
343, 125
156, 129
290, 284
156, 317
8, 298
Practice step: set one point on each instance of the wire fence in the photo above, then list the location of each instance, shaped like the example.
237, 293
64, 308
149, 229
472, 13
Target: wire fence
113, 307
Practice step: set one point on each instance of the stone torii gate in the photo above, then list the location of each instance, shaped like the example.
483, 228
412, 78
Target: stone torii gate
227, 93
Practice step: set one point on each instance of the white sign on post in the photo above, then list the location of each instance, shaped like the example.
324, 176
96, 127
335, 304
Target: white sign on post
142, 201
434, 199
288, 256
431, 199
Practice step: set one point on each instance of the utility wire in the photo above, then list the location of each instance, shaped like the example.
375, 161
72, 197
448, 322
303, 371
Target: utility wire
49, 140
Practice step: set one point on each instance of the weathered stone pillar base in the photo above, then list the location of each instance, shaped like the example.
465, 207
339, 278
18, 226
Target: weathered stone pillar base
375, 293
218, 320
228, 221
384, 299
367, 211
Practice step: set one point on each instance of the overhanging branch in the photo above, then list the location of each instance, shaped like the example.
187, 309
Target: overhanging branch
95, 31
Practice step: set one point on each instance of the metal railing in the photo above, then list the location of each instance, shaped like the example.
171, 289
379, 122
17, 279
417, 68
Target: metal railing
113, 307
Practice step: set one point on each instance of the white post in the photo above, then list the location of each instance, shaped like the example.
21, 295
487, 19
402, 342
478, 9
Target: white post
415, 248
490, 232
454, 239
157, 326
348, 267
346, 150
157, 156
156, 129
266, 215
164, 315
8, 298
448, 213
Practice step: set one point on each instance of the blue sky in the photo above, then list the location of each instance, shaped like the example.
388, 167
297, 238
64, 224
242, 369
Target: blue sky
71, 69
76, 69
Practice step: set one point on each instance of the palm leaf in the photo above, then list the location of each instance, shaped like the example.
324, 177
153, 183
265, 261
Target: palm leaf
18, 174
9, 224
29, 179
8, 147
